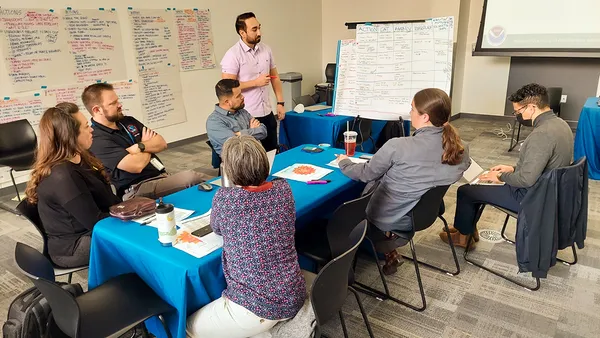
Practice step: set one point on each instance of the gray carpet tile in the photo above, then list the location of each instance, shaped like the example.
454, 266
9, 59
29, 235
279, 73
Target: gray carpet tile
472, 304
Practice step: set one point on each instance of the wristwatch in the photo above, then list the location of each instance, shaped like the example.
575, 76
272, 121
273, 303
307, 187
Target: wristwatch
498, 175
281, 103
141, 146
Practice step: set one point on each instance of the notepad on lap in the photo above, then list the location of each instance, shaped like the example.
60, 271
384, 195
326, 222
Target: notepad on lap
474, 171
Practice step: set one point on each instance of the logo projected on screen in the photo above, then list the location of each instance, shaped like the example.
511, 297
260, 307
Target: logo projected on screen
496, 36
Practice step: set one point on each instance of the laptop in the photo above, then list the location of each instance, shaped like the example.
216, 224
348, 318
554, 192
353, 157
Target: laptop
224, 181
474, 171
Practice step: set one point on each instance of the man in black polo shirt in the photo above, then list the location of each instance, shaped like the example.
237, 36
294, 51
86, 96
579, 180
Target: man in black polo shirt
128, 149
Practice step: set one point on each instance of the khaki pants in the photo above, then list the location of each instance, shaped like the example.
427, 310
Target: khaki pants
223, 318
165, 185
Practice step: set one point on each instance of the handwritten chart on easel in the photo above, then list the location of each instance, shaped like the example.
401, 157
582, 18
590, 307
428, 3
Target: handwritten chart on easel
393, 62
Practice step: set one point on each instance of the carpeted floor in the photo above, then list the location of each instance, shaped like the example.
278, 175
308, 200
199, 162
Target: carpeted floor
472, 304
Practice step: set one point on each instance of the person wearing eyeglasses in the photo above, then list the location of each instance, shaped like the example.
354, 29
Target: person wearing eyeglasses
548, 146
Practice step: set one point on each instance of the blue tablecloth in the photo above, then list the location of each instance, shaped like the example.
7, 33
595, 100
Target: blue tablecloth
186, 282
312, 128
587, 138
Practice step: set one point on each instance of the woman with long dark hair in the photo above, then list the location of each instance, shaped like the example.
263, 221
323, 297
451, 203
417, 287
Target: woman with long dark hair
68, 184
407, 167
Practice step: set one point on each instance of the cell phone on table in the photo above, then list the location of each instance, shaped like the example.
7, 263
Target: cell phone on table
205, 230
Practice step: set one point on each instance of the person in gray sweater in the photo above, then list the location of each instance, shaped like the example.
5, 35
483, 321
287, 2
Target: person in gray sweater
405, 168
549, 146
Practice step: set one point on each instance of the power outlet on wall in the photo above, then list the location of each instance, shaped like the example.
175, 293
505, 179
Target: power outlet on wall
563, 99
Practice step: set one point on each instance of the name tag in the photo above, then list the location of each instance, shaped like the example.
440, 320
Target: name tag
156, 164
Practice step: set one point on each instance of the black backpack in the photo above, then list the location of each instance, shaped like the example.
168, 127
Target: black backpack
29, 315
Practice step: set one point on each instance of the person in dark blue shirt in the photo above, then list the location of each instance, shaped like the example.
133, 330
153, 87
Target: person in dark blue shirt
128, 149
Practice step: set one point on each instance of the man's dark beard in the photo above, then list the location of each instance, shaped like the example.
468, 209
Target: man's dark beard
255, 41
241, 106
116, 118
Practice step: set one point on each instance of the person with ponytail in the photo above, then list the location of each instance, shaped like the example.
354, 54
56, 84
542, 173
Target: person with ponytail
68, 184
405, 168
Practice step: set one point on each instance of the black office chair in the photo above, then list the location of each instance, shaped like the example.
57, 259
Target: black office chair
321, 242
423, 215
18, 143
109, 310
216, 159
364, 128
329, 289
554, 96
30, 212
330, 70
514, 215
582, 162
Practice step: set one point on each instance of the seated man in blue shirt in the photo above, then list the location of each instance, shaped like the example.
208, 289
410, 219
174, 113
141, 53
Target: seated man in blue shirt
230, 118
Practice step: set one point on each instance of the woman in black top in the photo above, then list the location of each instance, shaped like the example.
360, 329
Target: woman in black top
68, 184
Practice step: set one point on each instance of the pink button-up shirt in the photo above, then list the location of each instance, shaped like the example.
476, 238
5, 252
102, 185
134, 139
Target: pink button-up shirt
248, 64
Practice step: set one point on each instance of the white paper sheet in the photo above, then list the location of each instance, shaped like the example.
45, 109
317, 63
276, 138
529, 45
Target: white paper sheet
303, 172
334, 163
197, 246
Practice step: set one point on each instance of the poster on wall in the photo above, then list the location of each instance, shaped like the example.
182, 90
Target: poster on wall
162, 98
195, 39
128, 92
29, 107
35, 49
94, 41
153, 36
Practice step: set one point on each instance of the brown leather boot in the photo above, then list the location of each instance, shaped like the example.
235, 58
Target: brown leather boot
458, 239
453, 230
392, 262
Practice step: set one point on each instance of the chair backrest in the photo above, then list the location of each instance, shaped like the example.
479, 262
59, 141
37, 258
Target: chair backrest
330, 287
17, 144
427, 209
330, 72
37, 267
365, 129
216, 159
343, 222
30, 212
554, 96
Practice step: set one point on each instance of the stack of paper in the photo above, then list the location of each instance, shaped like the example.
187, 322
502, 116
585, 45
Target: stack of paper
180, 215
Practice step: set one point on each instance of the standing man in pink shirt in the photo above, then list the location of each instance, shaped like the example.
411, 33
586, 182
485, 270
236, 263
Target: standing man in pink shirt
252, 64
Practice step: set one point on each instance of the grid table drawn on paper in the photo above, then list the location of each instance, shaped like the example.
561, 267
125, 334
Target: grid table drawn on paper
379, 73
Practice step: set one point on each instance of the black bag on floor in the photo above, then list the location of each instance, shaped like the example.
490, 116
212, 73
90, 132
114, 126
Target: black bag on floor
29, 315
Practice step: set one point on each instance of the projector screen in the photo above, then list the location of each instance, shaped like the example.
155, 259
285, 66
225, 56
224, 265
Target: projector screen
540, 28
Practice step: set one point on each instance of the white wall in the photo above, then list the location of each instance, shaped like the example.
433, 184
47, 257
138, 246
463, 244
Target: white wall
485, 78
296, 45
